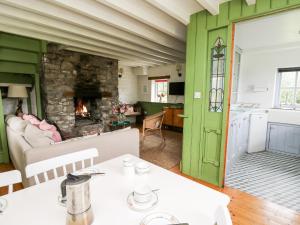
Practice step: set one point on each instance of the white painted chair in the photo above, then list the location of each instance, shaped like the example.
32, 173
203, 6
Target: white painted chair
42, 167
10, 178
222, 216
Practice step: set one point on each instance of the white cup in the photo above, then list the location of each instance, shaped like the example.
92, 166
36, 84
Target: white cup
142, 168
142, 194
128, 167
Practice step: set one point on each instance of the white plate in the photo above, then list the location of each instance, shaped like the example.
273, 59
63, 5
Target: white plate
3, 204
142, 206
159, 218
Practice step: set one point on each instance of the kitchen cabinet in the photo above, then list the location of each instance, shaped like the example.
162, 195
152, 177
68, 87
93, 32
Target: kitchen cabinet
171, 117
283, 138
237, 139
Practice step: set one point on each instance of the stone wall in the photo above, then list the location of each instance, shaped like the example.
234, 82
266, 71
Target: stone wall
64, 73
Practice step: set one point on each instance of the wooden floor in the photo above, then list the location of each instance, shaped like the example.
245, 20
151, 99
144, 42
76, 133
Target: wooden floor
245, 209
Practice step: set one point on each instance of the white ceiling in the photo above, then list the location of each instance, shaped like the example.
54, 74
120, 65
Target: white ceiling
136, 32
275, 31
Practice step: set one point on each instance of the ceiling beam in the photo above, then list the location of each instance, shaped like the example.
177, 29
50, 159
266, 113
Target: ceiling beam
68, 36
68, 16
178, 9
150, 15
34, 18
52, 38
211, 6
107, 15
122, 61
251, 2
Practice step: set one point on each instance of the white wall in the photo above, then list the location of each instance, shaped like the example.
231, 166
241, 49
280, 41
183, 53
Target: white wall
128, 86
259, 70
144, 85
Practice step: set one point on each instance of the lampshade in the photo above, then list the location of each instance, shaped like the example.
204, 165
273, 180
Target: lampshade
17, 91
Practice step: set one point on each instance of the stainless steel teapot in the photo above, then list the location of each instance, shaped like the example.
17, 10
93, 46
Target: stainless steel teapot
76, 191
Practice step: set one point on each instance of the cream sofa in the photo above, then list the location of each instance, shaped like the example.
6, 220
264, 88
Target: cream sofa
109, 145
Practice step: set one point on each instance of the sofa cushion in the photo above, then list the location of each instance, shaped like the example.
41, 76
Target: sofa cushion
16, 123
31, 118
36, 137
55, 134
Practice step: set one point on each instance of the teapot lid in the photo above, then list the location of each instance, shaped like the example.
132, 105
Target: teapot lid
77, 179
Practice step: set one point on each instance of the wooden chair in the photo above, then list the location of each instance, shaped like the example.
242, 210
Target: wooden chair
42, 167
222, 216
9, 179
152, 124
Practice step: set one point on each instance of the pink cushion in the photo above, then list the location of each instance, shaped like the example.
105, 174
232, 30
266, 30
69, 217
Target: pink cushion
46, 126
55, 134
32, 119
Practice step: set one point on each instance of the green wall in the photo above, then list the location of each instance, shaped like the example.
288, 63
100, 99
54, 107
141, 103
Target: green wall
204, 142
155, 107
20, 59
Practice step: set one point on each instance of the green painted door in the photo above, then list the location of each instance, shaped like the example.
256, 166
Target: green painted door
211, 134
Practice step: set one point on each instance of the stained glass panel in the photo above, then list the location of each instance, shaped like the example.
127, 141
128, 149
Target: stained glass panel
218, 60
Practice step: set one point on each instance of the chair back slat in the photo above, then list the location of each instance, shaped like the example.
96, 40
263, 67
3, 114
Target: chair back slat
92, 162
64, 170
10, 178
10, 188
36, 179
55, 173
82, 164
42, 167
46, 178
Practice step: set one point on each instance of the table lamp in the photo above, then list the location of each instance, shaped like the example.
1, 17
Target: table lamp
20, 92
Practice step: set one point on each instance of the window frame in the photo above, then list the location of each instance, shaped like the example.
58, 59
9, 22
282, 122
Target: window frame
154, 90
295, 88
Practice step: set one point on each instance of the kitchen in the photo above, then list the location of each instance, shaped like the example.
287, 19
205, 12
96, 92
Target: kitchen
263, 149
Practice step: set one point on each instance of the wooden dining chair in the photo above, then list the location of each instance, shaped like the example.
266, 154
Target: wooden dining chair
222, 216
152, 125
10, 178
43, 167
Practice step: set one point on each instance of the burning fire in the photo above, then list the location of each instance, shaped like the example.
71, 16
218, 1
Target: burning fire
81, 109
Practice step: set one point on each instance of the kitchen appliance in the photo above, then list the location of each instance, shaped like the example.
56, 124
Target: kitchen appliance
257, 132
76, 191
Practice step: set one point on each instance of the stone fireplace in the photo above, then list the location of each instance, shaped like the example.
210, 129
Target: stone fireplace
78, 89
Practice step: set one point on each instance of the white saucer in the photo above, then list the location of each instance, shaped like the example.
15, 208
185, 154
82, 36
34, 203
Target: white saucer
3, 204
142, 206
159, 218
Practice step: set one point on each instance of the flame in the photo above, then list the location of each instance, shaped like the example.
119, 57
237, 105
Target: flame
81, 109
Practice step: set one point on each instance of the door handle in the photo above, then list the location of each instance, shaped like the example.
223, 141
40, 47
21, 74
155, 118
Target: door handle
182, 116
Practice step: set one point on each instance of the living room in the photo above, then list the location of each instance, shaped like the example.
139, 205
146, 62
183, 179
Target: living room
122, 108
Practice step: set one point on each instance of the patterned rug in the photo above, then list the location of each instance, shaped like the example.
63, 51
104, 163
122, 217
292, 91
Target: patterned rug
272, 176
164, 154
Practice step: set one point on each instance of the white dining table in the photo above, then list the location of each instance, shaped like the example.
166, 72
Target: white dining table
187, 200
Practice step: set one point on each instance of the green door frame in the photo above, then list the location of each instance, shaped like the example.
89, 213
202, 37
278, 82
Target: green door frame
196, 75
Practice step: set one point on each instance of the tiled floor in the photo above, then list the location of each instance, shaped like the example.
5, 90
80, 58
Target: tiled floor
269, 175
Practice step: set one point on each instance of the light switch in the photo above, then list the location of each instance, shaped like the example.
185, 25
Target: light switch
197, 94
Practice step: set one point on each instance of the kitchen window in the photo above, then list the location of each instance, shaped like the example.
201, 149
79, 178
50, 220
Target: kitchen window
159, 90
288, 89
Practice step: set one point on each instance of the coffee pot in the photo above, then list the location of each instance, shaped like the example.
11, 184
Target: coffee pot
75, 191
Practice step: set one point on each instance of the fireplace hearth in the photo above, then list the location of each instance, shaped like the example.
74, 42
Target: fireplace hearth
78, 89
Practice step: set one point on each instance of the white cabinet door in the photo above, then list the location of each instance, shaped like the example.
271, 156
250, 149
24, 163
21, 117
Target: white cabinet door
284, 138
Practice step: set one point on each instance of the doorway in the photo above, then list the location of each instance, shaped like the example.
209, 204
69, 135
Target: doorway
263, 149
